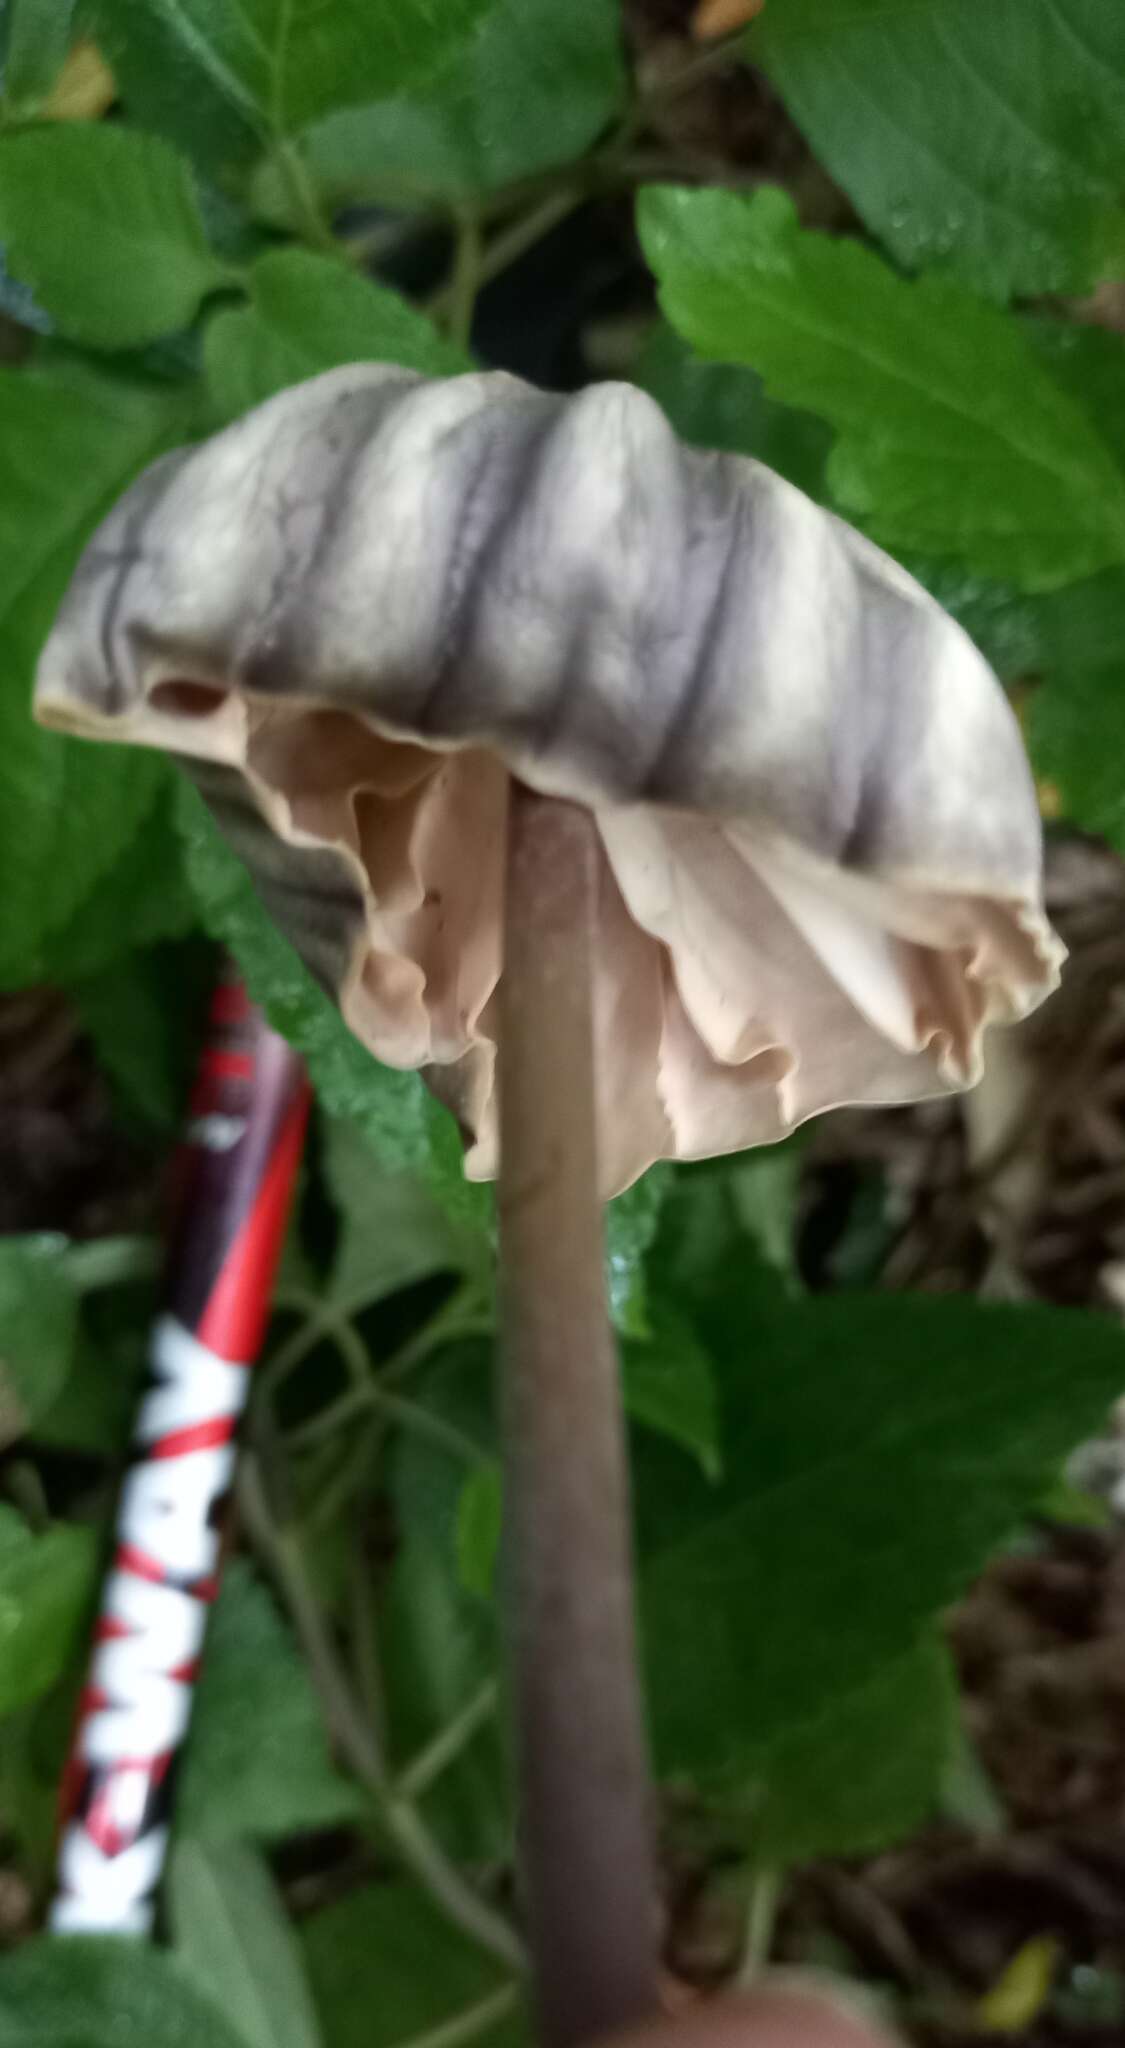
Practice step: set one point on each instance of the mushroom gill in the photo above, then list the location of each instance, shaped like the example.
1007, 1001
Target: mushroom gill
364, 608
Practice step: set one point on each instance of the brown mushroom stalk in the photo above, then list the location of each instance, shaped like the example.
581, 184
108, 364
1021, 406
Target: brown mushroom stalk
585, 1821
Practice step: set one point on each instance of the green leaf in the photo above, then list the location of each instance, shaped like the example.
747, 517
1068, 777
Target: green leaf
45, 1583
857, 1249
393, 1110
471, 1203
34, 1746
1079, 624
669, 1385
966, 1793
702, 1239
480, 1515
1089, 363
307, 314
988, 139
38, 1328
952, 438
1076, 734
39, 38
392, 1230
143, 1014
257, 1764
631, 1222
69, 443
438, 1641
344, 1074
875, 1449
168, 86
763, 1188
866, 1771
104, 227
1082, 625
533, 86
96, 1407
71, 438
224, 80
69, 811
231, 1936
91, 1991
385, 1965
719, 405
438, 1637
142, 900
1075, 1507
18, 304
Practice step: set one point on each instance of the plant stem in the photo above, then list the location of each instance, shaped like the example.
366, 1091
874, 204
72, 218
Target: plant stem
704, 63
448, 1743
364, 1621
328, 1493
308, 220
588, 1858
466, 279
466, 2025
357, 1741
410, 1414
110, 1262
761, 1919
506, 246
23, 1484
462, 1316
511, 242
324, 1323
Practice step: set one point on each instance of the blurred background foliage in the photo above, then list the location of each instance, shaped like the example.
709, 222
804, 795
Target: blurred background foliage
879, 246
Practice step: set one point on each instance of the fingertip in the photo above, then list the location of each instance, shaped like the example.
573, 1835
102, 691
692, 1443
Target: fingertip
778, 2015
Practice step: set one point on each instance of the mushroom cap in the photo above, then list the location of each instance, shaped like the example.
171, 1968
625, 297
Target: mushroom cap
361, 609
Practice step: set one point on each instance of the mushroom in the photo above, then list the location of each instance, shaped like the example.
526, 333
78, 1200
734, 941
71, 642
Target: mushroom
365, 608
567, 753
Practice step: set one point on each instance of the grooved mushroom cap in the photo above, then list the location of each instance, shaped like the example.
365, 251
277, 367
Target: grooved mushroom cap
365, 606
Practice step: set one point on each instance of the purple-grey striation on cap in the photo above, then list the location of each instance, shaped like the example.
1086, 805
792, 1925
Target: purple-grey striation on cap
364, 607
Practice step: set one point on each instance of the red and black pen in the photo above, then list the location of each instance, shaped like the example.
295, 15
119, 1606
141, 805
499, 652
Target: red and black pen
236, 1172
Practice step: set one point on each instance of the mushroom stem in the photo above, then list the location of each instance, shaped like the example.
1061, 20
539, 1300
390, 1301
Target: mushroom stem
589, 1865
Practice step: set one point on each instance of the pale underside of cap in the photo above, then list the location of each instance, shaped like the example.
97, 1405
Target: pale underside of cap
365, 607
